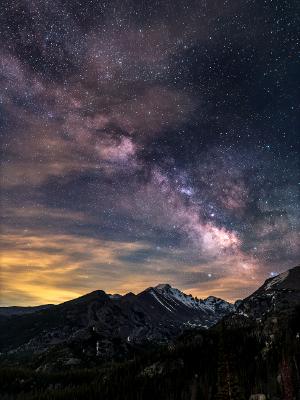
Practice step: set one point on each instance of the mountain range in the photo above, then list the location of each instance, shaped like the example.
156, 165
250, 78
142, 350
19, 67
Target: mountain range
160, 343
113, 326
112, 323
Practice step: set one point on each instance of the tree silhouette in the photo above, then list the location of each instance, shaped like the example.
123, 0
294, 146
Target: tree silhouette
227, 381
286, 377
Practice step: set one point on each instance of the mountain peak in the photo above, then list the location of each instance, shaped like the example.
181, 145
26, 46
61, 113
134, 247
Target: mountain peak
212, 298
86, 298
279, 292
163, 286
289, 279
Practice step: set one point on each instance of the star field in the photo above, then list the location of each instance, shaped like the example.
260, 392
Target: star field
147, 142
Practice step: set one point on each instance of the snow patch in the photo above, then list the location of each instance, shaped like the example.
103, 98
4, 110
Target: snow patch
155, 296
209, 305
277, 279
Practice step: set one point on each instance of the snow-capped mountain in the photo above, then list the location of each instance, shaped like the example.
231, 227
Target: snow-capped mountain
186, 307
156, 314
114, 326
277, 295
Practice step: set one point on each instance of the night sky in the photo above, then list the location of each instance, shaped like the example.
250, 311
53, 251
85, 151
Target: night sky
146, 142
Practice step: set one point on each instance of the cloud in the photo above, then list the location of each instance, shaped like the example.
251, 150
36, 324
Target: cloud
39, 266
168, 208
153, 112
69, 128
55, 268
127, 133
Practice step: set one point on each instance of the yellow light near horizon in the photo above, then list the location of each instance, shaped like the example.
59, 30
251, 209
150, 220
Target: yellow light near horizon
47, 268
50, 268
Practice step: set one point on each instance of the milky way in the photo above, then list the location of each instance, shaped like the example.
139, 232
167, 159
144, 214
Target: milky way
147, 142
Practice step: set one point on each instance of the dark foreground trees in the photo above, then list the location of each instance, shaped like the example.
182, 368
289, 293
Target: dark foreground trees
222, 364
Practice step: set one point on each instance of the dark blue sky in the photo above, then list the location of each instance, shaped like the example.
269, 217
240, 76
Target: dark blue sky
148, 142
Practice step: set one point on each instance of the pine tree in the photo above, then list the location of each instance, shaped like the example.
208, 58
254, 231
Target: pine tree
227, 385
286, 377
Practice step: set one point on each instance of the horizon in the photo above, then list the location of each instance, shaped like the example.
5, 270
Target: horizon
232, 301
147, 143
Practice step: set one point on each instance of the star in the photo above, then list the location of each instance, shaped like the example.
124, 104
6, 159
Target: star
142, 145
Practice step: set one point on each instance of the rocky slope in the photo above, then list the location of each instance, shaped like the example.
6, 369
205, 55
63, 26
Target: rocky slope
15, 310
254, 353
273, 303
109, 325
166, 301
101, 327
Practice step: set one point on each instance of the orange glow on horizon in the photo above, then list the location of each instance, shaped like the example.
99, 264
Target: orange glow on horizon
46, 268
